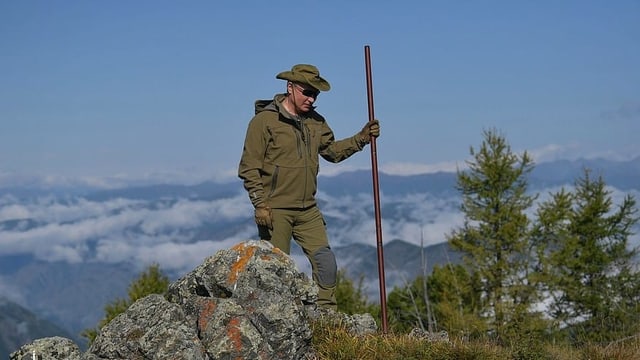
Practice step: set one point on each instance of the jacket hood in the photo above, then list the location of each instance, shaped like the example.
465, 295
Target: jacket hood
269, 105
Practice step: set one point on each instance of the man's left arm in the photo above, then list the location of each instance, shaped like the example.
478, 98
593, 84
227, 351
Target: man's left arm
338, 150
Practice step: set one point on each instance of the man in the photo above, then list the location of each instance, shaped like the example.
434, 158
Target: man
279, 168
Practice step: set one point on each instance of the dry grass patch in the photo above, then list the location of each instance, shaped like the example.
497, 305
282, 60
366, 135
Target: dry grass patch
335, 342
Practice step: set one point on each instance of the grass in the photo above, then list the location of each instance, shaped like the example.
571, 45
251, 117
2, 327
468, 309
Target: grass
334, 342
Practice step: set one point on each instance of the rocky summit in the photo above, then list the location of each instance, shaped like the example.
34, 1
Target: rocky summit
247, 302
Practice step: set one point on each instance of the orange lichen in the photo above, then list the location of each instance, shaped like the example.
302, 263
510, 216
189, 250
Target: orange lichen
234, 334
244, 255
239, 247
206, 311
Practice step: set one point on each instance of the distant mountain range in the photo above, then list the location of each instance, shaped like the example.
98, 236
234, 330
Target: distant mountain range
65, 254
620, 174
19, 326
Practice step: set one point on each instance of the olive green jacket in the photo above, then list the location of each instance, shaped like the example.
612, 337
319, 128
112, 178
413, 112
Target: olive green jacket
279, 164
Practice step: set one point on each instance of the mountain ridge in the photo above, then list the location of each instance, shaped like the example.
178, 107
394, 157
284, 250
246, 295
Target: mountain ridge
20, 326
558, 171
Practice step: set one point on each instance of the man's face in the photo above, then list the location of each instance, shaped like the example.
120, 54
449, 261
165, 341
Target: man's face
303, 96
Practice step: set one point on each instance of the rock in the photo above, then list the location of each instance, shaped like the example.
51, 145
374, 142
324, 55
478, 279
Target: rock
151, 328
51, 348
247, 302
418, 333
357, 324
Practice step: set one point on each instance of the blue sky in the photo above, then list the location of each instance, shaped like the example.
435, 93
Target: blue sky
164, 89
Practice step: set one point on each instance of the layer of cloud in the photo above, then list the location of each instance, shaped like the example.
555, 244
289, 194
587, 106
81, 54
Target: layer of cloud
413, 218
119, 230
178, 234
415, 169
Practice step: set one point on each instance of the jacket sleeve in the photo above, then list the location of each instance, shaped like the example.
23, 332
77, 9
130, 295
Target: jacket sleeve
337, 150
255, 143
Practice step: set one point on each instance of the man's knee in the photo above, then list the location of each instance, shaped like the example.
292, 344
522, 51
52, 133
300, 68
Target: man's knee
326, 267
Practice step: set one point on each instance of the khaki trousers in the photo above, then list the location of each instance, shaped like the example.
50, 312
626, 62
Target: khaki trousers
307, 228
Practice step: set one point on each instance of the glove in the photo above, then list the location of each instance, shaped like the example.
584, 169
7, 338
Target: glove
371, 128
263, 216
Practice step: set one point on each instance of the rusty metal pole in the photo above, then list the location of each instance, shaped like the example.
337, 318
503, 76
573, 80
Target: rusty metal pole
376, 194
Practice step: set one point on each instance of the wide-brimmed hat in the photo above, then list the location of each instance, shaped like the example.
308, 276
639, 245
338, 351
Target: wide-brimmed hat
305, 74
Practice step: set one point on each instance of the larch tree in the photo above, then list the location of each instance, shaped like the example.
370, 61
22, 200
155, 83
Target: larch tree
495, 237
352, 297
455, 297
588, 264
151, 281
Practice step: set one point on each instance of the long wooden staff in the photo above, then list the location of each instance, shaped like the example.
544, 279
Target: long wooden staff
376, 193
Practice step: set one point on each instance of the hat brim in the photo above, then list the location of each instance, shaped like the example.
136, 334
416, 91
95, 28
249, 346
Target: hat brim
316, 81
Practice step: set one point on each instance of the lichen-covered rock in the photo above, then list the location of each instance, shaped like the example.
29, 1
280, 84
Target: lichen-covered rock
247, 302
356, 324
51, 348
361, 324
151, 328
429, 336
241, 270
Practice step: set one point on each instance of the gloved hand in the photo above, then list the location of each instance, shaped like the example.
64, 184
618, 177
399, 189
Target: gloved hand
263, 216
371, 128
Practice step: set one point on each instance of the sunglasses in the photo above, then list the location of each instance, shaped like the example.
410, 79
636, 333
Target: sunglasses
307, 92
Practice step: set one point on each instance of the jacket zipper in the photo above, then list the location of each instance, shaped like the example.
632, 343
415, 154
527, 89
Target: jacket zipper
298, 140
307, 144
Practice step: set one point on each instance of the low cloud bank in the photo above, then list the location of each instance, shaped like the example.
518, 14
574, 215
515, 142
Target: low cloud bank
179, 233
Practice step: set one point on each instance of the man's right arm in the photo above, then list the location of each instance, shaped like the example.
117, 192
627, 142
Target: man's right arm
251, 162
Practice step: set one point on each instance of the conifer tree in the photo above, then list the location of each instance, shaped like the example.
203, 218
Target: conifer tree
351, 298
150, 281
588, 262
455, 295
454, 299
406, 307
494, 238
